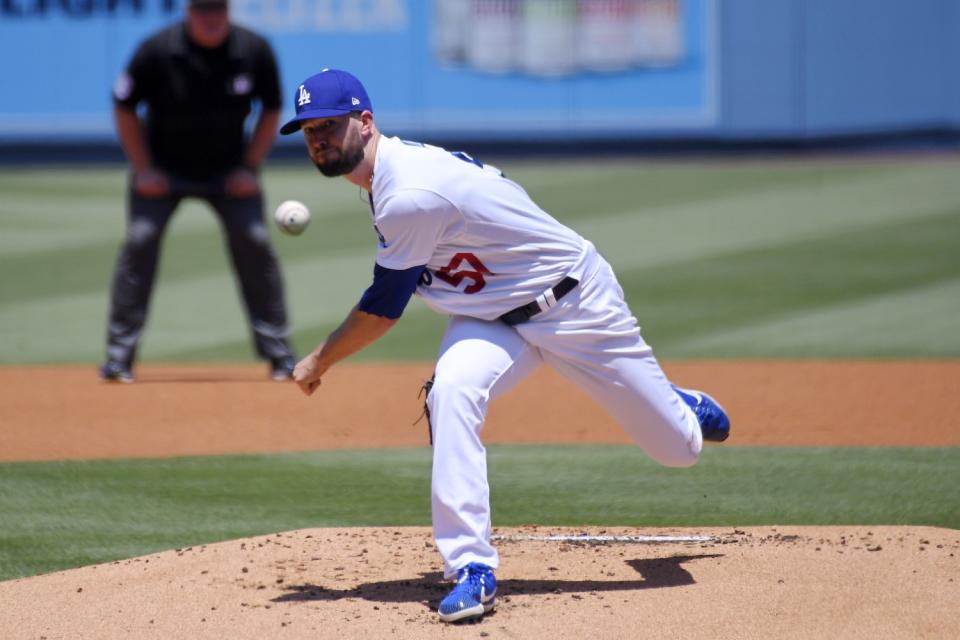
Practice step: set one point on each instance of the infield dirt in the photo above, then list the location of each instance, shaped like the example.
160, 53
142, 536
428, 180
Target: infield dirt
53, 413
758, 582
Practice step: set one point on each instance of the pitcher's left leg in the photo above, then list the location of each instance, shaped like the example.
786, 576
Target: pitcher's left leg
593, 339
636, 392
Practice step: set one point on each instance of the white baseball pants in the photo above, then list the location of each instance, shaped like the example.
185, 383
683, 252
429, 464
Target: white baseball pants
589, 337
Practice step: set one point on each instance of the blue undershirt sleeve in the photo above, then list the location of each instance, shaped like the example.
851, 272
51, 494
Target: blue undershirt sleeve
391, 290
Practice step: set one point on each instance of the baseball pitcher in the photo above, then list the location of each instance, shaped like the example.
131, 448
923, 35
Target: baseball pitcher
520, 289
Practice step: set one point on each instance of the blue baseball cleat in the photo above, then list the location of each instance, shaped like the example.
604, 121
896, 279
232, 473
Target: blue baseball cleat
714, 422
474, 595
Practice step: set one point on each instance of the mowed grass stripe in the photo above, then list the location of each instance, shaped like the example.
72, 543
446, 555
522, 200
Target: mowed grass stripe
679, 304
60, 515
69, 181
416, 337
47, 229
649, 237
207, 312
582, 189
55, 209
53, 215
196, 308
50, 211
919, 323
35, 224
863, 278
187, 314
585, 187
202, 317
82, 260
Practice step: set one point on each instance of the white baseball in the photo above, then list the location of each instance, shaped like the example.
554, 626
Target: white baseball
292, 216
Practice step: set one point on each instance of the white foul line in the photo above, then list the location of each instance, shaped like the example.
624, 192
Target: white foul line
586, 538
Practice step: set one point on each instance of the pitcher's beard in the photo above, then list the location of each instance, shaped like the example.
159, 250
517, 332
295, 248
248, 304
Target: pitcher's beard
342, 166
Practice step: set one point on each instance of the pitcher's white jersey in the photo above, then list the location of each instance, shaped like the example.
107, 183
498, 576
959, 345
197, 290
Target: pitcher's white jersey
487, 246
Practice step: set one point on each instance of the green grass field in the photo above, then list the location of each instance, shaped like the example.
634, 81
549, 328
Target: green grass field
775, 258
76, 513
749, 259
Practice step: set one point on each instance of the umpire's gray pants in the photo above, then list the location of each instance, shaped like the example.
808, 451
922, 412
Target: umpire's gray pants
254, 263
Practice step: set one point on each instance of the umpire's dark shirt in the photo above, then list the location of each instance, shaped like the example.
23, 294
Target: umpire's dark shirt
197, 99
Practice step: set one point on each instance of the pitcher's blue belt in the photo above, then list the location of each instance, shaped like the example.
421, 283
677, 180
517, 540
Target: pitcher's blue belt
543, 302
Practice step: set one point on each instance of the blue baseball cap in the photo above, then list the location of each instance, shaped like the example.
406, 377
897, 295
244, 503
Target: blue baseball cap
329, 93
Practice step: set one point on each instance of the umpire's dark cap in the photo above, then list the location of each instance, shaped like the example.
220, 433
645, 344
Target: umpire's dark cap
329, 93
208, 3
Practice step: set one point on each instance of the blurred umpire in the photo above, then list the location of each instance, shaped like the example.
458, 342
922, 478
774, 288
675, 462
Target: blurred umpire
181, 107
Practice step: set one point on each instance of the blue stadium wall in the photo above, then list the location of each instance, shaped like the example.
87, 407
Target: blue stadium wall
728, 70
804, 68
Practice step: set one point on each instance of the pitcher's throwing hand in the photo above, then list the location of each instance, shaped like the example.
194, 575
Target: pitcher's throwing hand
307, 374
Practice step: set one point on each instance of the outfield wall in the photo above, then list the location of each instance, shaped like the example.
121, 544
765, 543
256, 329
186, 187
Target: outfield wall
799, 68
551, 70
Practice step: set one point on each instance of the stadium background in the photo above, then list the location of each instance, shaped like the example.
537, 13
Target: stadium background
791, 70
784, 188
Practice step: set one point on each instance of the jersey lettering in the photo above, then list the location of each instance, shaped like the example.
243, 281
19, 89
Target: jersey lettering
453, 275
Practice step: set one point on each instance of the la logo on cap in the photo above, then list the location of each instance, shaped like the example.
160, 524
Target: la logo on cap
328, 94
304, 96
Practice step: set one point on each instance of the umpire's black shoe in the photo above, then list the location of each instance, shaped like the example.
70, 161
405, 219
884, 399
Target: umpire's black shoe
113, 371
282, 368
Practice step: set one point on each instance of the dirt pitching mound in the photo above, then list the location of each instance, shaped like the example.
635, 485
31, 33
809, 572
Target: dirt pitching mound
783, 582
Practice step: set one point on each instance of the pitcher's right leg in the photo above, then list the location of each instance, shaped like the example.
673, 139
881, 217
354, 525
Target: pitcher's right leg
478, 361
